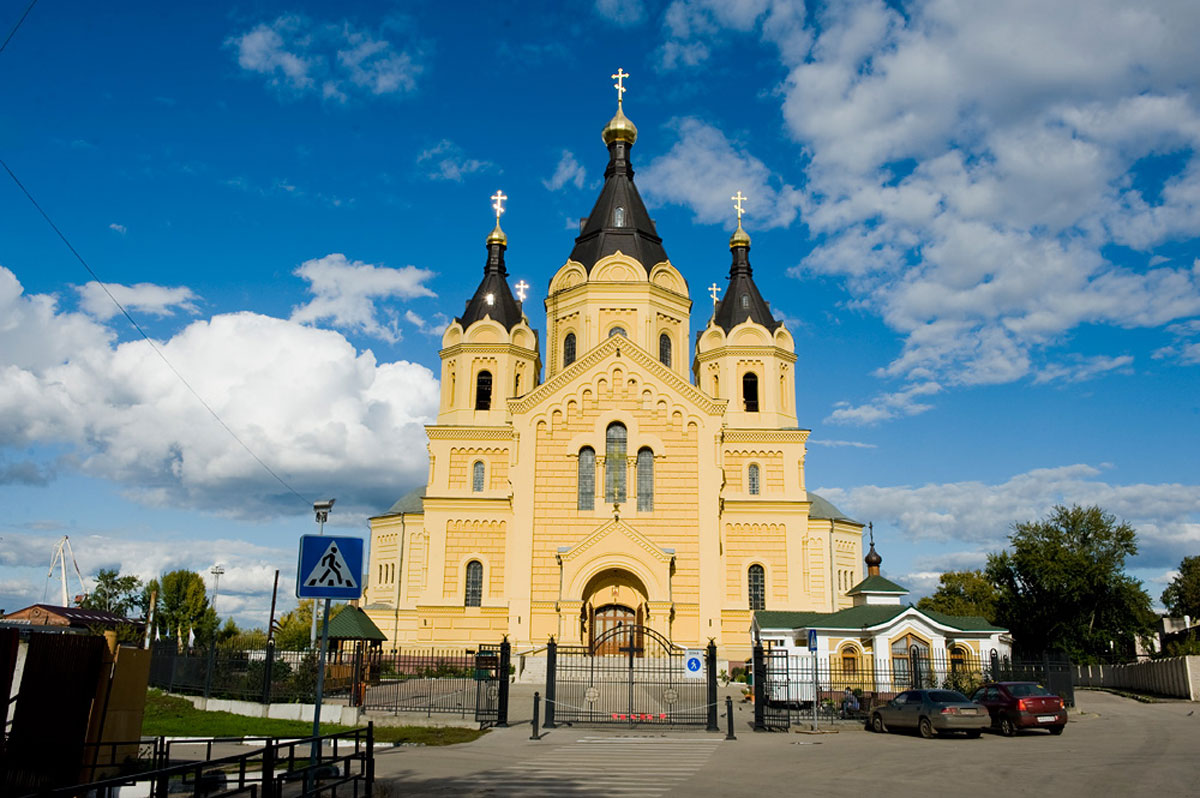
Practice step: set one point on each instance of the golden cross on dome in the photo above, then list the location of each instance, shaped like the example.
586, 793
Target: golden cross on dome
522, 287
498, 203
620, 84
737, 203
713, 290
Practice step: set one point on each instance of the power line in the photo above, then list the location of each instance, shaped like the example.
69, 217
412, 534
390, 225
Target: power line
138, 327
13, 32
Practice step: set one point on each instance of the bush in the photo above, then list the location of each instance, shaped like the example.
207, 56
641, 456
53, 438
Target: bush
738, 674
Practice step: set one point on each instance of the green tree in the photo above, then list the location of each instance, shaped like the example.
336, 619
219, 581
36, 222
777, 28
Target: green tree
183, 606
963, 593
113, 593
295, 627
1182, 596
1063, 586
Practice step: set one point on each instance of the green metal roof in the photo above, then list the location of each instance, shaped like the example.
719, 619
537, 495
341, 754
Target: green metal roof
876, 584
824, 509
865, 616
353, 624
413, 502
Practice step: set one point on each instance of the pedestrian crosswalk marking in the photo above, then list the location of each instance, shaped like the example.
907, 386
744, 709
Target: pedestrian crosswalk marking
331, 570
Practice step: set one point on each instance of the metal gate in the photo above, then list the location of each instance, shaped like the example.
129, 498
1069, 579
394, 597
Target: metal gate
774, 692
641, 678
469, 683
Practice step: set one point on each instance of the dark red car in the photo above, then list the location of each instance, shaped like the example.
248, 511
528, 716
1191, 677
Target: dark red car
1022, 705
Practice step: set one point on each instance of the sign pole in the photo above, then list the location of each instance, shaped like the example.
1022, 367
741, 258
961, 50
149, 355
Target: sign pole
316, 744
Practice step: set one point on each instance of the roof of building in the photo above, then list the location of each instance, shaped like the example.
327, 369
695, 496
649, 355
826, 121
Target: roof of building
876, 584
742, 299
353, 624
864, 616
493, 298
603, 233
74, 615
412, 502
823, 509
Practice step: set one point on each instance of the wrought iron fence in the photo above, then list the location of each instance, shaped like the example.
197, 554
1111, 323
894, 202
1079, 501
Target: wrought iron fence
786, 682
466, 682
264, 675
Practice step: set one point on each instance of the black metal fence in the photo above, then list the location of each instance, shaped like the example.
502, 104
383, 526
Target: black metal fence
788, 688
344, 766
631, 675
468, 682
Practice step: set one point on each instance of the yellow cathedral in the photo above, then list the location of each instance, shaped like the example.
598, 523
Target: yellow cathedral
638, 482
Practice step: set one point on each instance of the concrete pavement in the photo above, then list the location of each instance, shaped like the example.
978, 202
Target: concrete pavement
1112, 746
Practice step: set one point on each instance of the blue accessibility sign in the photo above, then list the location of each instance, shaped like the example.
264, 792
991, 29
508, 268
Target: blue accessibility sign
329, 567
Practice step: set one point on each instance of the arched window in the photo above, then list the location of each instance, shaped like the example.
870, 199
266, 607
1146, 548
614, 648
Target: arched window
756, 582
587, 478
473, 595
614, 463
958, 659
483, 391
752, 481
617, 331
750, 391
569, 350
645, 480
745, 301
664, 350
618, 216
477, 476
849, 661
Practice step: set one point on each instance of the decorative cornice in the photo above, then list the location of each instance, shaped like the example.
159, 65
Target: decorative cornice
765, 505
746, 351
474, 347
636, 355
448, 432
751, 435
458, 504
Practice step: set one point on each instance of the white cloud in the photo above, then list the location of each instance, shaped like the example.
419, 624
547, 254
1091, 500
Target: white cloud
885, 407
328, 419
118, 228
1081, 369
345, 293
1166, 515
967, 168
156, 300
834, 444
432, 328
450, 163
299, 56
568, 170
625, 13
1186, 348
704, 169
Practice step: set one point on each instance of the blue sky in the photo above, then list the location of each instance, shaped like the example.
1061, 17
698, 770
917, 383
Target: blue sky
981, 224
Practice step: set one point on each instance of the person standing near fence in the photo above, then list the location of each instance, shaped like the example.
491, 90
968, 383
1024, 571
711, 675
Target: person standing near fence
849, 703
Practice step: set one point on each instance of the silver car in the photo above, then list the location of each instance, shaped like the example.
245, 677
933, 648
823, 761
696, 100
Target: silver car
931, 712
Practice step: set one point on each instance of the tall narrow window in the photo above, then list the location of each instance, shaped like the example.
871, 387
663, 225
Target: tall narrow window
750, 392
745, 301
477, 476
756, 581
587, 478
619, 217
752, 479
614, 463
483, 391
517, 385
474, 592
664, 349
569, 350
645, 480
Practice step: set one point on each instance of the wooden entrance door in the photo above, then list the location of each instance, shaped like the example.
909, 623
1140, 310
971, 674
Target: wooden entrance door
610, 617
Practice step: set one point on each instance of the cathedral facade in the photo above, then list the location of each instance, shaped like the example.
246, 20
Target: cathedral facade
639, 482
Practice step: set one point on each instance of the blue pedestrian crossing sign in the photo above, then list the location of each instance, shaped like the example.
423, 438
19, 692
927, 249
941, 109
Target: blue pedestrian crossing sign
812, 639
329, 567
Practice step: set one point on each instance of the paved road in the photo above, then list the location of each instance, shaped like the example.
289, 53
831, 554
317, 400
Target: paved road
1112, 747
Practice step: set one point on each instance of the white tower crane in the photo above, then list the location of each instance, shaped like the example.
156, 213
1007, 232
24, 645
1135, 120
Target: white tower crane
60, 557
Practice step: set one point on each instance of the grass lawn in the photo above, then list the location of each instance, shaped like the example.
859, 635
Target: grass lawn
170, 716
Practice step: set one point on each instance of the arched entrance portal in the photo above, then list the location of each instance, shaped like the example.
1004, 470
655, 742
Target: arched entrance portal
613, 598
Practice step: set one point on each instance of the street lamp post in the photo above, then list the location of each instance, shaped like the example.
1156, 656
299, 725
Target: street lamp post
216, 572
322, 512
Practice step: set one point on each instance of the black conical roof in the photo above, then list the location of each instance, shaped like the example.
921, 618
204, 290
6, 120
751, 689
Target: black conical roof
635, 235
502, 307
742, 300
